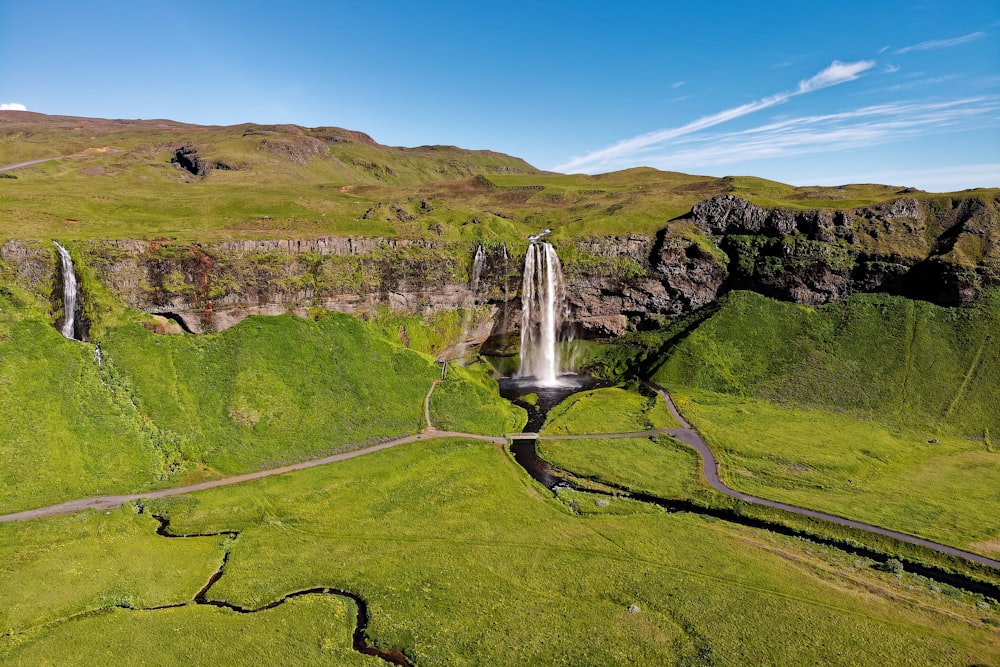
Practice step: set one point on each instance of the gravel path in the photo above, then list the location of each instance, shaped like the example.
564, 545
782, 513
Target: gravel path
710, 469
686, 434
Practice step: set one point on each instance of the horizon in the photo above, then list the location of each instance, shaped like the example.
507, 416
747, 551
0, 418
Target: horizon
911, 99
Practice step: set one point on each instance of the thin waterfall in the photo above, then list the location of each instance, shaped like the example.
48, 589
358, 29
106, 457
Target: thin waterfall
70, 293
543, 299
478, 262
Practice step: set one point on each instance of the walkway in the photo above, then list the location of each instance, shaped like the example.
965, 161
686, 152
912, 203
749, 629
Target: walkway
710, 469
686, 434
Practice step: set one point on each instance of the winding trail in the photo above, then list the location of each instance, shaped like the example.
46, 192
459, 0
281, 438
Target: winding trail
710, 469
686, 434
111, 502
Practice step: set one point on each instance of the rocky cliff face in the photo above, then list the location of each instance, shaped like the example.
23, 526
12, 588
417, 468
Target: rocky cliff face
946, 251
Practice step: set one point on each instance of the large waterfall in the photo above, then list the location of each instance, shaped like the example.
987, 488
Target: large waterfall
543, 302
70, 293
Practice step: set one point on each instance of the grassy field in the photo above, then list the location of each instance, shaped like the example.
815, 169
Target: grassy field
608, 410
165, 410
463, 562
290, 182
879, 409
658, 466
948, 491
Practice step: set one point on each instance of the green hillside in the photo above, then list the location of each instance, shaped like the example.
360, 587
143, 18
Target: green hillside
897, 361
879, 408
163, 410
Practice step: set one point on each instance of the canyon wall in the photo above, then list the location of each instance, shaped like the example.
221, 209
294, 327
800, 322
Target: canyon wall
943, 250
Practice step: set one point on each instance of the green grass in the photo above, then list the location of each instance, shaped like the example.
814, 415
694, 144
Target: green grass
659, 466
165, 410
947, 491
65, 432
467, 400
907, 364
51, 569
608, 410
834, 408
273, 389
308, 630
463, 563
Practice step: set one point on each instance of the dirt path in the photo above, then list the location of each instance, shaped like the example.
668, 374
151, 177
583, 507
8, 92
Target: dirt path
111, 502
710, 470
9, 167
686, 434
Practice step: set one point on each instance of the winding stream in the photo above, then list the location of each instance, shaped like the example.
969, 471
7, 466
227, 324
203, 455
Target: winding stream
360, 641
525, 453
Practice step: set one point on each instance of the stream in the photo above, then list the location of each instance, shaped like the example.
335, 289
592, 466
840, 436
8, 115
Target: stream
525, 453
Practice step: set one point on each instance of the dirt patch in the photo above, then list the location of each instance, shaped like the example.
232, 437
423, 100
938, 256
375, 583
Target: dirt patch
988, 547
96, 170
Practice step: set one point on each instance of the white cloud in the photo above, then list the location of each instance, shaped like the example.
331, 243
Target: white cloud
12, 106
677, 84
890, 69
940, 43
837, 72
630, 149
867, 126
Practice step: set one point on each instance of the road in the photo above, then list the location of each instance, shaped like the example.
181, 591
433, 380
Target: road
710, 470
686, 434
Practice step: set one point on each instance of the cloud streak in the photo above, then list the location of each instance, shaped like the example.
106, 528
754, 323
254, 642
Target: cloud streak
12, 106
939, 43
867, 126
833, 75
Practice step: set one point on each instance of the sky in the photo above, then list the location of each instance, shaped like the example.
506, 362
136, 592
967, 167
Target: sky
902, 93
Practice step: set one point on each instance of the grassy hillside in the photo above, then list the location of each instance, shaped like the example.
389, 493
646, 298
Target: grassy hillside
163, 410
453, 549
901, 362
116, 180
878, 408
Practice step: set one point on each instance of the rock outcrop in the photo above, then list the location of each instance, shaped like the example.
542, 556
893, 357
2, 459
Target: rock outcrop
943, 250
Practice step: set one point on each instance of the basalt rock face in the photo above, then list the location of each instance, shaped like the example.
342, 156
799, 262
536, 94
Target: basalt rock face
945, 250
210, 287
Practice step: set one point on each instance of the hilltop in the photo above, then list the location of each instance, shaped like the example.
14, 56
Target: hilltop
160, 178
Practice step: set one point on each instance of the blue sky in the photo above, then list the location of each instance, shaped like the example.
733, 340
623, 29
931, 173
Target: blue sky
905, 93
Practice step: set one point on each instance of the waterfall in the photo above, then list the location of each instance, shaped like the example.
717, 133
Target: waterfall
70, 293
543, 299
478, 262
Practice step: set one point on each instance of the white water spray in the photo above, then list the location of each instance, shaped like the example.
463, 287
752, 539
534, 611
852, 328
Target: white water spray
543, 299
478, 262
69, 293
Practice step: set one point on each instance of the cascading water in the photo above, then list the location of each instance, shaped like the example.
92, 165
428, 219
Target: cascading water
543, 299
70, 293
478, 262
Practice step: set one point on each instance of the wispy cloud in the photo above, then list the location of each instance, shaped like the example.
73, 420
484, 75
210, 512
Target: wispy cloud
867, 126
677, 84
890, 69
836, 73
12, 106
939, 43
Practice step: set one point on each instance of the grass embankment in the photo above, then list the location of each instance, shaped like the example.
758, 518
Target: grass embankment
165, 410
608, 410
462, 562
467, 401
879, 408
273, 389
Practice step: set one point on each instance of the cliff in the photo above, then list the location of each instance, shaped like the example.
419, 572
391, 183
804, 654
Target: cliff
944, 250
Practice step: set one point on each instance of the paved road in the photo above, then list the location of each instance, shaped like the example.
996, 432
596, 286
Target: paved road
31, 162
710, 469
686, 434
110, 502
